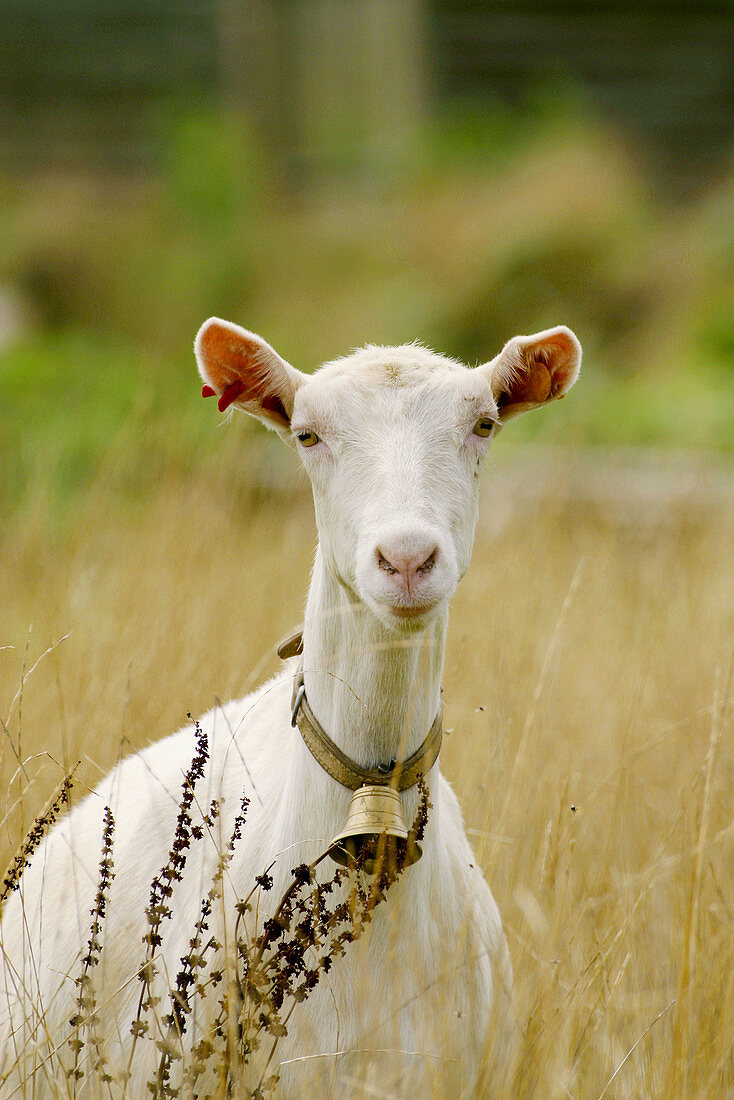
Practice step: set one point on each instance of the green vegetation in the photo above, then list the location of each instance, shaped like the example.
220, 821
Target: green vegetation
489, 227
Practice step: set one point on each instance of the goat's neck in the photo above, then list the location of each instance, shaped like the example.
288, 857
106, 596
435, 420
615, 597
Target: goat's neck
375, 693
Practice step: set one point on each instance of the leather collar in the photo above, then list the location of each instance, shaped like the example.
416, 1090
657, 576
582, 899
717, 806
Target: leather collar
401, 774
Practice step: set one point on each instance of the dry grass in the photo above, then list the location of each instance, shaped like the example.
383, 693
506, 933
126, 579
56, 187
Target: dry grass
588, 689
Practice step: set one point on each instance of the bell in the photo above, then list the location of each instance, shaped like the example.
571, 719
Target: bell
375, 826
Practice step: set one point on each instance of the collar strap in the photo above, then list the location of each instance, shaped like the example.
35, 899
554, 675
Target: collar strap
401, 774
291, 645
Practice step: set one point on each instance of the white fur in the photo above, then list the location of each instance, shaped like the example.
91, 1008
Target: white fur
394, 476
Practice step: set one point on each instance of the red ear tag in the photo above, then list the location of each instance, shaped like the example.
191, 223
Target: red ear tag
207, 391
231, 394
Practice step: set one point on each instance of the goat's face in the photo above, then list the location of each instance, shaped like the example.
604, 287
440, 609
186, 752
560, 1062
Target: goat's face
393, 440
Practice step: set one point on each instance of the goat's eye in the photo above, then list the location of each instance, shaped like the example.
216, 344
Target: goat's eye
307, 438
484, 426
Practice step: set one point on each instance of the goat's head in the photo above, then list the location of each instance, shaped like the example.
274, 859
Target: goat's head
392, 440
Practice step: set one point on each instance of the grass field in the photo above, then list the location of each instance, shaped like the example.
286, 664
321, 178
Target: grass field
588, 687
148, 564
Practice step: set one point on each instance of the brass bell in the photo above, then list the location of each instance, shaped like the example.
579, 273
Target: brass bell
375, 824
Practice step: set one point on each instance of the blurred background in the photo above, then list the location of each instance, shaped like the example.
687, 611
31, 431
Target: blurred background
333, 172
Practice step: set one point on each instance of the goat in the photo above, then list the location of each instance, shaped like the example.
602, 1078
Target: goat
392, 439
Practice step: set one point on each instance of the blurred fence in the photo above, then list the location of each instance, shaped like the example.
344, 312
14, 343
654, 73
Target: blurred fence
86, 82
660, 70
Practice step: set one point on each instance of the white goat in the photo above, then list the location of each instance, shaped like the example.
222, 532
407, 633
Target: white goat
392, 440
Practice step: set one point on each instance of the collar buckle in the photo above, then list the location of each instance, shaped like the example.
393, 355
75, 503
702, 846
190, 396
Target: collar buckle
298, 698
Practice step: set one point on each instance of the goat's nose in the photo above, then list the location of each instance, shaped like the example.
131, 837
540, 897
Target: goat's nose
407, 566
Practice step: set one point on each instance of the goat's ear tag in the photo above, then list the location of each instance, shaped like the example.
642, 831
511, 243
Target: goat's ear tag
231, 394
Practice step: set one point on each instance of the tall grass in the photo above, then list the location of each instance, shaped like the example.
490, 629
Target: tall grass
589, 702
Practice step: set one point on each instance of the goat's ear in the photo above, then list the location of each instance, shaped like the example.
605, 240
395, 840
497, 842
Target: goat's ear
532, 370
240, 369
